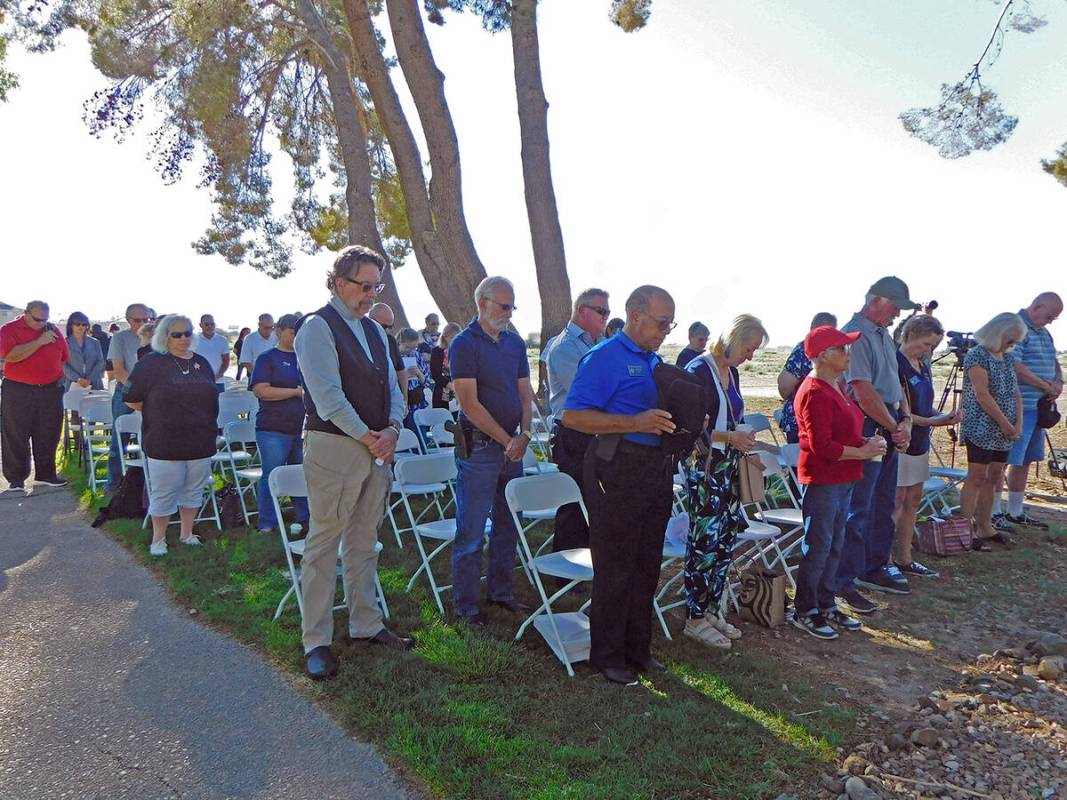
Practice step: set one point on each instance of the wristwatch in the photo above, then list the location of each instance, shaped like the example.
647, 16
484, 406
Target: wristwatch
395, 428
527, 434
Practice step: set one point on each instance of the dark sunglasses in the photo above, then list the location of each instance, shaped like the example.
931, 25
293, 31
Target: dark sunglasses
604, 312
366, 286
180, 334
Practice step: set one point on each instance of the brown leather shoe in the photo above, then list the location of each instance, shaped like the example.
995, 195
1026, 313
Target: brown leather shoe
387, 638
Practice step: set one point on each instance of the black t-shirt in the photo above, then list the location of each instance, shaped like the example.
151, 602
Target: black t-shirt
181, 404
278, 368
687, 355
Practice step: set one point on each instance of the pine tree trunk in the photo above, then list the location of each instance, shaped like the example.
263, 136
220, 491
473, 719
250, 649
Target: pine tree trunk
550, 259
427, 85
450, 275
352, 138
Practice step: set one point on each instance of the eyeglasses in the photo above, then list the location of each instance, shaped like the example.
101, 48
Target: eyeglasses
844, 348
503, 306
665, 325
139, 319
604, 312
38, 319
180, 334
366, 286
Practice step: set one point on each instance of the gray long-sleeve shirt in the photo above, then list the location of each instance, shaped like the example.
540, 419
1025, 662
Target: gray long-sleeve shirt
316, 354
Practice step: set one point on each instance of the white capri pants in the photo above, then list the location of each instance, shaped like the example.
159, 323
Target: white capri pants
176, 484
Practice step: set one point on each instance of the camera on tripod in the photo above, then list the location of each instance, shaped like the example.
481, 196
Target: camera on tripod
960, 343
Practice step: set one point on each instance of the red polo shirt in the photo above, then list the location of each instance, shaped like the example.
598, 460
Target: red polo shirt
46, 363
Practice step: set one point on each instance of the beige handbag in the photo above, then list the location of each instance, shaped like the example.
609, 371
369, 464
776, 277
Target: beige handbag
750, 478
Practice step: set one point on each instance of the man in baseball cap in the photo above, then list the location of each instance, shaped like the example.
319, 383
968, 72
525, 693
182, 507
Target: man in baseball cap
875, 383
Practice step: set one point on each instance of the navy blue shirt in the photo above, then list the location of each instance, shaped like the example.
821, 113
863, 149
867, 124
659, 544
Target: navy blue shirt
497, 366
279, 369
920, 388
616, 377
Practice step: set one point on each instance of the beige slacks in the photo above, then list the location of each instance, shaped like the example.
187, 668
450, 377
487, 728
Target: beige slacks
347, 492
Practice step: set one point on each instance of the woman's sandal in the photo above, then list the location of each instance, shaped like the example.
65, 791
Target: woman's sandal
1002, 538
980, 545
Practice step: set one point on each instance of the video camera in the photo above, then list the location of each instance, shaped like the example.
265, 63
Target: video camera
960, 343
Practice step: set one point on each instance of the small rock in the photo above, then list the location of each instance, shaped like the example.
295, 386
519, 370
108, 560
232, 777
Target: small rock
1048, 644
857, 789
926, 737
896, 742
854, 764
1051, 667
937, 721
831, 783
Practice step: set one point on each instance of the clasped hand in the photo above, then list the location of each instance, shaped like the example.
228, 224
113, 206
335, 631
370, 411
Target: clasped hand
381, 443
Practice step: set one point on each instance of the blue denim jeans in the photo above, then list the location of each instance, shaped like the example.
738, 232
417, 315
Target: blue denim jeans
825, 514
276, 450
869, 530
480, 496
118, 409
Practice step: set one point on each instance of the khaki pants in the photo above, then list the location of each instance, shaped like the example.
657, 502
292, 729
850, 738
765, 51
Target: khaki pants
346, 495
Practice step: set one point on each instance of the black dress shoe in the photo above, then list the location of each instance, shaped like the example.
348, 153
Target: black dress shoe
649, 665
619, 675
512, 607
320, 663
386, 638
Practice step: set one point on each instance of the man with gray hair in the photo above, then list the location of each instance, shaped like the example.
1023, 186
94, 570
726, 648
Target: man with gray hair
122, 353
382, 313
354, 408
31, 403
586, 328
215, 348
874, 379
491, 379
258, 342
796, 368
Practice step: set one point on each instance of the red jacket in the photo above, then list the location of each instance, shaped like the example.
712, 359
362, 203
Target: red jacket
44, 366
828, 423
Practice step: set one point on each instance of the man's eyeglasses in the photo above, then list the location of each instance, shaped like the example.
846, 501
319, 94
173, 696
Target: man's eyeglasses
503, 306
604, 312
665, 325
180, 334
38, 319
139, 319
366, 286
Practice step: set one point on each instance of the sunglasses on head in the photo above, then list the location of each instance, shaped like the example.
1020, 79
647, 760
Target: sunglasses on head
180, 334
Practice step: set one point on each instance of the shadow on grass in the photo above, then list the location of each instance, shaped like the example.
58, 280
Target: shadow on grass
474, 714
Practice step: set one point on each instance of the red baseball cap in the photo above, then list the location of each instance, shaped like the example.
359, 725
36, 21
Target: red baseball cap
818, 339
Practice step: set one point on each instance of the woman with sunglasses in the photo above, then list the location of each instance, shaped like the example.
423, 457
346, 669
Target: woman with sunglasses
174, 389
86, 365
714, 492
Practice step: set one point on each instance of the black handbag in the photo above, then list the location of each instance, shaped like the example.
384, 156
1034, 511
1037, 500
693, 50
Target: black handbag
1048, 416
684, 395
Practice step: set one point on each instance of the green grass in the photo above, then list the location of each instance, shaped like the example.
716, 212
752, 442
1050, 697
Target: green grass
473, 714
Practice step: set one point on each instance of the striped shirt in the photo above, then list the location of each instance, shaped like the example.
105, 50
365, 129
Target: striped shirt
1038, 353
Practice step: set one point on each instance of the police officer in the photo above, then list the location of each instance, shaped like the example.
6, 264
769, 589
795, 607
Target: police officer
628, 487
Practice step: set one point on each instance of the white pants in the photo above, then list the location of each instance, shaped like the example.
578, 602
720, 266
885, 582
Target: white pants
176, 484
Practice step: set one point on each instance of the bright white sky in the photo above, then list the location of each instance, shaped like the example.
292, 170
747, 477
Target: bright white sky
744, 154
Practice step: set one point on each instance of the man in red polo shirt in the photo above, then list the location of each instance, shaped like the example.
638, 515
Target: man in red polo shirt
31, 396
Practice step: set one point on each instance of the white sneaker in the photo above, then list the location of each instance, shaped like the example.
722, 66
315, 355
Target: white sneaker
703, 631
158, 548
296, 529
193, 539
726, 629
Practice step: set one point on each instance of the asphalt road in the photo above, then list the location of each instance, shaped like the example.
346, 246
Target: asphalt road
108, 691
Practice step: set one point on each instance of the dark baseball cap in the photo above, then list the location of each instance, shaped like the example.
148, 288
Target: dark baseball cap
895, 291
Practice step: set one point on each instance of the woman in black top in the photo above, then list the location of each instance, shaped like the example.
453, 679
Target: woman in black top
439, 371
237, 349
174, 389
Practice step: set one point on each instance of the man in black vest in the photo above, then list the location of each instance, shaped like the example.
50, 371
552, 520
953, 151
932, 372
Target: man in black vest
354, 407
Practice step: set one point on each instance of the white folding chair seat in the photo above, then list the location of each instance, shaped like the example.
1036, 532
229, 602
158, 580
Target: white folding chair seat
96, 423
407, 446
532, 465
672, 551
129, 455
290, 482
566, 634
428, 418
442, 437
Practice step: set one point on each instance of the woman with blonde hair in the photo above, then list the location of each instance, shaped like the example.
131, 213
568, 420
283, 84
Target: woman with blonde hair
992, 420
714, 493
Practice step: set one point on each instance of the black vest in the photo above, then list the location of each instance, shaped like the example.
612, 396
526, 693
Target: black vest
364, 382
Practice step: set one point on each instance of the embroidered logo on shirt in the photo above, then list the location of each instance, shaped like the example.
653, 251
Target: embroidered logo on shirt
196, 366
635, 370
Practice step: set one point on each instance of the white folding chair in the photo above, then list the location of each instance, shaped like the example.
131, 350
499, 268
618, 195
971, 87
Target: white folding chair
673, 550
95, 413
428, 418
209, 507
288, 481
567, 634
540, 432
441, 437
532, 465
407, 446
760, 422
72, 399
130, 454
236, 405
239, 439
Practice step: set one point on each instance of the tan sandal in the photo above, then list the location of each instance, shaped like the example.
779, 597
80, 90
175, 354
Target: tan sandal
704, 632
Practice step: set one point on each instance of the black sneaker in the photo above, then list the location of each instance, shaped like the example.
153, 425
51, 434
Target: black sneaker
843, 620
815, 624
14, 487
915, 568
1000, 523
881, 581
1026, 521
856, 602
56, 482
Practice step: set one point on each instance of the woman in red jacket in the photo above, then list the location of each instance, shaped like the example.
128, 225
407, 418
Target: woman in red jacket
832, 449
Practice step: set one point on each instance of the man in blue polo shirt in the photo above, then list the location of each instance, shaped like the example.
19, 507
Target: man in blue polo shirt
628, 488
491, 378
1039, 375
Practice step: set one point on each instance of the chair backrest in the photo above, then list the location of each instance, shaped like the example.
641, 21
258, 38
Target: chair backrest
529, 459
770, 463
778, 416
96, 411
759, 422
240, 432
288, 481
790, 455
72, 398
544, 491
428, 417
432, 468
237, 401
407, 442
442, 437
129, 423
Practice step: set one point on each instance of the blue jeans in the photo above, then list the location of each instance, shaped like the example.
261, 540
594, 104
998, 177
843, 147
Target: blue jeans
825, 514
869, 530
276, 450
118, 409
480, 496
